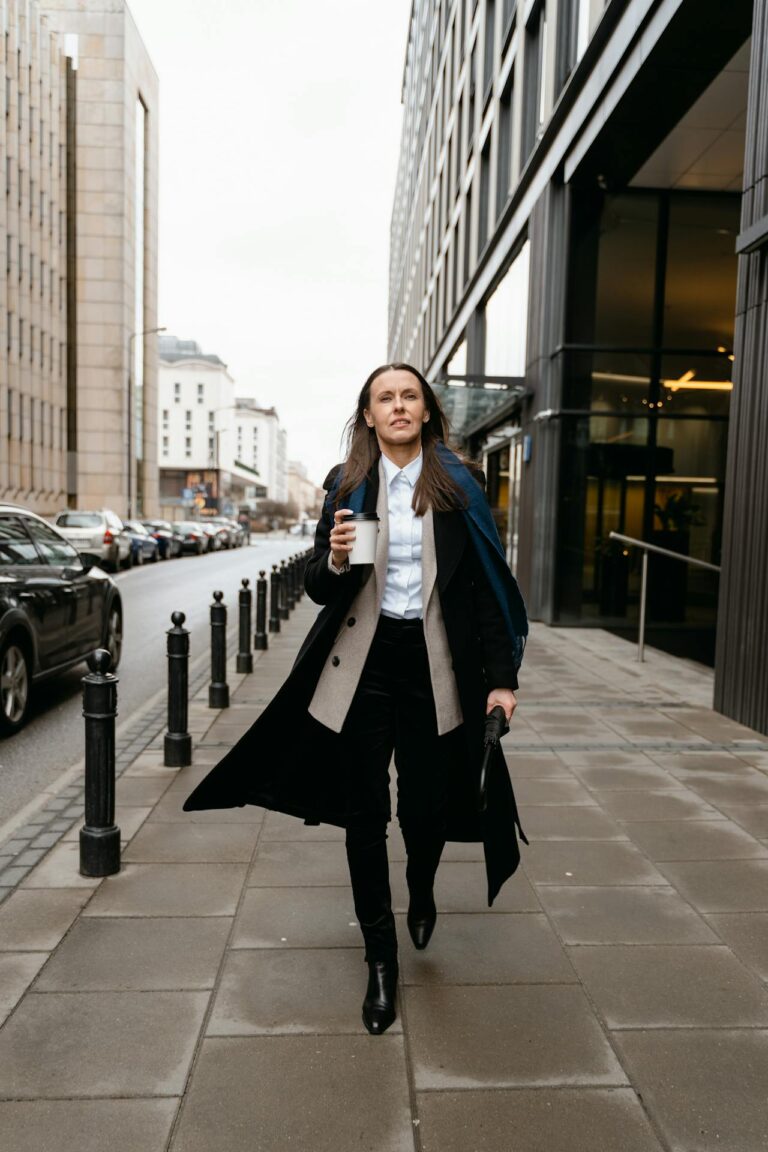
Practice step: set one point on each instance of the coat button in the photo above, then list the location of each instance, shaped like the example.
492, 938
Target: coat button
335, 661
351, 621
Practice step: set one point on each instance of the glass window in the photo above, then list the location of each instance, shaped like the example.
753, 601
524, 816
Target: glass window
78, 520
54, 549
506, 319
15, 545
700, 290
626, 270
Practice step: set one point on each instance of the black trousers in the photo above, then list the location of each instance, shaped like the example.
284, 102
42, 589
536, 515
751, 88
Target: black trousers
393, 710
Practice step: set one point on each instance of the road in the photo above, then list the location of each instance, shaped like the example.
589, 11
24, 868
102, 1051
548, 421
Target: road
53, 739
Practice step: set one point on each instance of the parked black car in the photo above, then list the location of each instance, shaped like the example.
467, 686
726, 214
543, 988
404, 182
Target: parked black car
56, 607
192, 537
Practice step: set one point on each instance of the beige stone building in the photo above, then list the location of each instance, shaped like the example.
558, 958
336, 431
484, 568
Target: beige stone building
307, 497
33, 306
97, 173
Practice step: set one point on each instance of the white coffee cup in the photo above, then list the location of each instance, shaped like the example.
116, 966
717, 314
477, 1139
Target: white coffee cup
366, 530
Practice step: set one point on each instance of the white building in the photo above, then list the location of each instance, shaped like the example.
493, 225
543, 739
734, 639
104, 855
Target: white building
212, 443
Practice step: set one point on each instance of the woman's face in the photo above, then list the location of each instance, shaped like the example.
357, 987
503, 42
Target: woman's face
397, 410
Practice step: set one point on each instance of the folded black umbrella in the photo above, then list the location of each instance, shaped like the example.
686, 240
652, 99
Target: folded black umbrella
495, 727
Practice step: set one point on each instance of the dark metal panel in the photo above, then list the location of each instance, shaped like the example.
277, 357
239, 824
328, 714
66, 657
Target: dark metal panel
548, 230
741, 655
71, 258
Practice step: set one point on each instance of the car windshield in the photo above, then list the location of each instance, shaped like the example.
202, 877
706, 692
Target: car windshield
134, 526
79, 520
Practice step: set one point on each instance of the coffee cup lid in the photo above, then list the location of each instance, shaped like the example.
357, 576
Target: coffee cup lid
362, 516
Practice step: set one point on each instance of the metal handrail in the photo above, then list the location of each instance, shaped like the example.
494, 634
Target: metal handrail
646, 547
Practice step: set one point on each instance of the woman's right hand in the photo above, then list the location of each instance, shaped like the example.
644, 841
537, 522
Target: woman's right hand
342, 535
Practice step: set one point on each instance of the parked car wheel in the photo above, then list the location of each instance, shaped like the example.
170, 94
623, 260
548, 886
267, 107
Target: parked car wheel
14, 686
113, 640
155, 554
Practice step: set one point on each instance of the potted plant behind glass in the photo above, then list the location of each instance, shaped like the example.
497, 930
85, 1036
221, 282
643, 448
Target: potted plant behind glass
668, 578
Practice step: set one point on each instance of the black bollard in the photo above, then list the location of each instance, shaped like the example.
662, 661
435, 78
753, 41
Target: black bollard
282, 605
274, 599
291, 591
218, 690
244, 657
177, 750
99, 836
260, 642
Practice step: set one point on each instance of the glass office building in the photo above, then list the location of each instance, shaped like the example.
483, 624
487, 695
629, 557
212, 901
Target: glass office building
577, 254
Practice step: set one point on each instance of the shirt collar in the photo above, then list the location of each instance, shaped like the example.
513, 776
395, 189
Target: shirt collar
411, 471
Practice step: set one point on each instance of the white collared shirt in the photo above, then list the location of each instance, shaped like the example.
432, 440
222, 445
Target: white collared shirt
402, 589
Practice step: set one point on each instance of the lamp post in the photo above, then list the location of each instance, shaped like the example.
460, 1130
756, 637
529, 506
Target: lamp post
131, 414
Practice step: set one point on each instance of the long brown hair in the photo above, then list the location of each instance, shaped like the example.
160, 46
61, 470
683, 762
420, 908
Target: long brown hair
434, 487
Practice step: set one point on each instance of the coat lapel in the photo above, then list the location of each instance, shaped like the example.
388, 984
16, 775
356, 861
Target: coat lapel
450, 541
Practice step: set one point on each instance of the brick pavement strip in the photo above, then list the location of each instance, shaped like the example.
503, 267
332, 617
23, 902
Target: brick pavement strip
208, 996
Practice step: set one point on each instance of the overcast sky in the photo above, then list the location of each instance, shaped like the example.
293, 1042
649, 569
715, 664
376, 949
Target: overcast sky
279, 135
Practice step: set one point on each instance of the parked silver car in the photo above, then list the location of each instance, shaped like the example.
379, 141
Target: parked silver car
100, 532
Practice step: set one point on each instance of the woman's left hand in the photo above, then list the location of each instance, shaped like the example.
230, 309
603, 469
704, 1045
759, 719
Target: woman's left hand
505, 697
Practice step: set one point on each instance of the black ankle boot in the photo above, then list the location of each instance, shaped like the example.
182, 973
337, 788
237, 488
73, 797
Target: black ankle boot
379, 1004
421, 919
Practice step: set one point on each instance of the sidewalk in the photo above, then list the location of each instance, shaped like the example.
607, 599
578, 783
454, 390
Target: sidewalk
614, 1000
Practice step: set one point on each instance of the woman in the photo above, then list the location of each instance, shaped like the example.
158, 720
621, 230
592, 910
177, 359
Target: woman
408, 655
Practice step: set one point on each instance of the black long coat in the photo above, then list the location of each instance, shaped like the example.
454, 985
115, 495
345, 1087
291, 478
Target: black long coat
289, 762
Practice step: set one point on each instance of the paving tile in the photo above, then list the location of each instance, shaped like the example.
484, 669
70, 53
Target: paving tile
180, 843
625, 778
542, 1120
278, 826
753, 818
695, 840
624, 915
554, 791
659, 804
100, 1044
705, 1088
486, 949
538, 765
746, 933
36, 919
606, 758
100, 954
700, 761
588, 862
671, 987
297, 918
170, 809
314, 1092
170, 890
721, 885
60, 1125
278, 992
293, 863
463, 887
552, 822
140, 791
502, 1037
9, 877
726, 789
60, 869
17, 971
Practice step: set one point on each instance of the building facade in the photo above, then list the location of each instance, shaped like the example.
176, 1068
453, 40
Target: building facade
213, 442
33, 290
569, 261
307, 497
81, 214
